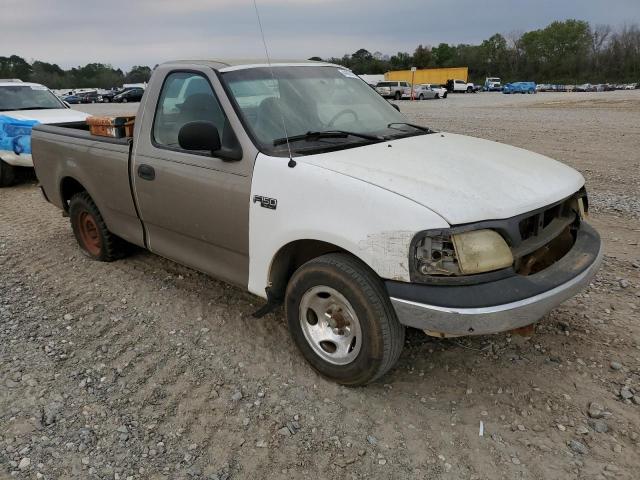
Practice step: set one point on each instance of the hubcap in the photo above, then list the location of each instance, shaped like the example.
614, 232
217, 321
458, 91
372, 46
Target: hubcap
330, 325
89, 234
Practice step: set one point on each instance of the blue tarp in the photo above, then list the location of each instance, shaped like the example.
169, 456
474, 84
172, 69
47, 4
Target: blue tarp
15, 134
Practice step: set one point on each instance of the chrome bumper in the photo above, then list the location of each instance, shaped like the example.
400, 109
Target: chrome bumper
453, 321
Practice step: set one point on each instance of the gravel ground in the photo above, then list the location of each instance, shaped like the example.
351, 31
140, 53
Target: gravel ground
143, 369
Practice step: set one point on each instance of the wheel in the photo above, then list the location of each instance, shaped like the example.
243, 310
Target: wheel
95, 240
105, 100
7, 174
421, 97
445, 95
342, 320
124, 100
397, 96
469, 90
437, 96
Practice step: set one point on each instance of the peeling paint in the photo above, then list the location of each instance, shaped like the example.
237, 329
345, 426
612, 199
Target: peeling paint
388, 253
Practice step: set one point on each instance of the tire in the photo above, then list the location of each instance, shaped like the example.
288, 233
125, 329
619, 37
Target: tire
335, 284
469, 90
445, 95
91, 233
421, 97
437, 97
7, 174
397, 96
124, 100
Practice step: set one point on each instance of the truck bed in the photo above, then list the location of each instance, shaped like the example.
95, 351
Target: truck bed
68, 156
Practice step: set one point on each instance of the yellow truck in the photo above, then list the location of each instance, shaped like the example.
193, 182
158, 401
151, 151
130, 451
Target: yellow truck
429, 75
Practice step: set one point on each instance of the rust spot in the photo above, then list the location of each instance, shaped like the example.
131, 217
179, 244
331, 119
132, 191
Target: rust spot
527, 331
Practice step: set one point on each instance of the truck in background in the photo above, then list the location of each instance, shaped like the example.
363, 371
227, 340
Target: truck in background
492, 84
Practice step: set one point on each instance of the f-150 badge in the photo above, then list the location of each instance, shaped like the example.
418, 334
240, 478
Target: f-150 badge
266, 202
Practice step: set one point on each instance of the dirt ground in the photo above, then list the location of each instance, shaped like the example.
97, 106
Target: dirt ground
143, 369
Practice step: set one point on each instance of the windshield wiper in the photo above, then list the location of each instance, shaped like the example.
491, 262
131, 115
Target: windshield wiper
309, 136
417, 127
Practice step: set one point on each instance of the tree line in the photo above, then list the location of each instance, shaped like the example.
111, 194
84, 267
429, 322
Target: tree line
97, 75
564, 52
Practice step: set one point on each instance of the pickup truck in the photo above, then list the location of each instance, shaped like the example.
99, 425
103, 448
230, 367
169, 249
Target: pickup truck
460, 86
299, 183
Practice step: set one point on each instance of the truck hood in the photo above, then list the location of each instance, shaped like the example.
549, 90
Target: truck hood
57, 115
463, 179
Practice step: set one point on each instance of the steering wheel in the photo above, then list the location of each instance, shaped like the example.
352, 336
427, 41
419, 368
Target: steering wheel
346, 111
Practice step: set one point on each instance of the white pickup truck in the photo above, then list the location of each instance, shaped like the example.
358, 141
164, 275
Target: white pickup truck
298, 182
23, 104
460, 86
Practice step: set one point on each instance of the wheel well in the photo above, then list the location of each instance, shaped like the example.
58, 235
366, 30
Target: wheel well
68, 188
292, 256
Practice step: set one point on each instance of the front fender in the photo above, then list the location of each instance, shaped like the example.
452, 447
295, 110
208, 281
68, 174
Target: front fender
312, 203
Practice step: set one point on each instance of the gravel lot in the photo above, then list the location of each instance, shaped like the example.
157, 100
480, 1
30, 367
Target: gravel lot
143, 369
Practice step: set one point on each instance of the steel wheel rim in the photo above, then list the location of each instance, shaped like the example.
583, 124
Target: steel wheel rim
89, 233
330, 325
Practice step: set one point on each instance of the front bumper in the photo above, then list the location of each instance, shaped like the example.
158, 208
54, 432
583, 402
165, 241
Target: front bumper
500, 305
22, 160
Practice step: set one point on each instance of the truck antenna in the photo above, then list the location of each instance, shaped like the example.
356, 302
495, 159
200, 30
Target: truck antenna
292, 162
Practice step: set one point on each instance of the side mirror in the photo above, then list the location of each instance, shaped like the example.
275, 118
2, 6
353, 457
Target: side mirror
204, 136
199, 136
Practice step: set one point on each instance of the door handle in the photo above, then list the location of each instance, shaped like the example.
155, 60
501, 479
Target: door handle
146, 172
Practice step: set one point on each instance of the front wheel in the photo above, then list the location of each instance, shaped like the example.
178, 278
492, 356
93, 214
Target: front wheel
342, 320
124, 100
445, 95
437, 96
7, 174
421, 97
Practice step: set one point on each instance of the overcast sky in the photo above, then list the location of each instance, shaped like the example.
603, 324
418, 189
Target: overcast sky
145, 32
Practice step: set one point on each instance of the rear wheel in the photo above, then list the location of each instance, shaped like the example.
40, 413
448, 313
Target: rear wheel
421, 97
397, 96
7, 174
341, 319
437, 96
95, 240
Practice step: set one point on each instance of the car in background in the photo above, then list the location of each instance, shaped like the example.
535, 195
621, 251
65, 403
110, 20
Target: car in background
424, 92
131, 95
441, 90
395, 90
519, 87
23, 105
90, 97
585, 87
631, 86
72, 99
107, 96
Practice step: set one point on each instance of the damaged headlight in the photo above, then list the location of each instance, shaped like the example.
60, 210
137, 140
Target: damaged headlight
466, 253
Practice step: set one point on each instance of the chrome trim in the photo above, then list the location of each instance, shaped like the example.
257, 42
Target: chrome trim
452, 321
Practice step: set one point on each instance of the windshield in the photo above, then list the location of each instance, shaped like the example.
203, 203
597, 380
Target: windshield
312, 99
27, 97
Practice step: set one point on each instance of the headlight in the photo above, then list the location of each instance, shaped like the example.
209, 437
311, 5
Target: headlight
467, 253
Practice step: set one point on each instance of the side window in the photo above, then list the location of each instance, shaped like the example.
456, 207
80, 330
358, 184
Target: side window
187, 97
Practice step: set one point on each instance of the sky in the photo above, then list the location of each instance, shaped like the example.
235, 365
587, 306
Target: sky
146, 32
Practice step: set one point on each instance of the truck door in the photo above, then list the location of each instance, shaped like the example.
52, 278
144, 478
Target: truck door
194, 207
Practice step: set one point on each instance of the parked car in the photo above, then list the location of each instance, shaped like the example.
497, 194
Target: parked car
90, 97
519, 87
492, 84
396, 90
131, 95
72, 99
107, 97
457, 236
23, 105
439, 89
423, 92
585, 87
460, 86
